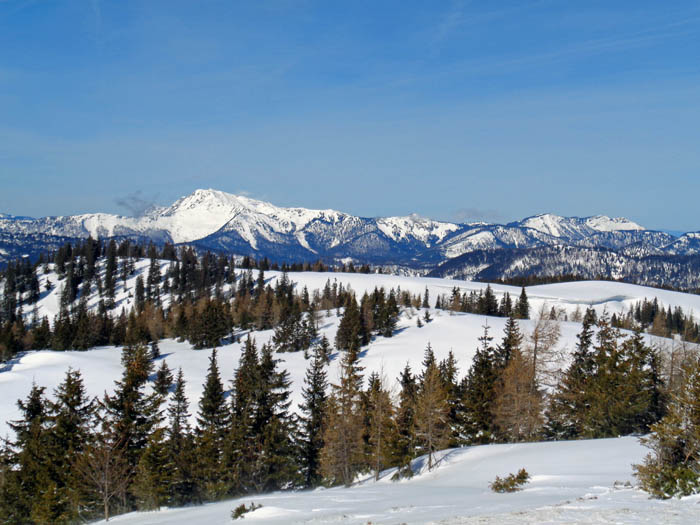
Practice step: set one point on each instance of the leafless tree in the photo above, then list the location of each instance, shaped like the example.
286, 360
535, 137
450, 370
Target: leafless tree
104, 470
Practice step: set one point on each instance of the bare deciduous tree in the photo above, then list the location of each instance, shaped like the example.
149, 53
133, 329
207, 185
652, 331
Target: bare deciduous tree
541, 349
518, 405
432, 414
104, 470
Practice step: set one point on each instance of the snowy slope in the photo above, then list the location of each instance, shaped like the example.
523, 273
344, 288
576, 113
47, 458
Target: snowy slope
572, 482
448, 331
575, 228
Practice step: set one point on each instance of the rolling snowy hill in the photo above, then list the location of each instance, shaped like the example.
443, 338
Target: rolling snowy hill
448, 331
573, 482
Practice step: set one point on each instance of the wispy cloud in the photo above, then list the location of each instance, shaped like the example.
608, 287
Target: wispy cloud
463, 215
136, 203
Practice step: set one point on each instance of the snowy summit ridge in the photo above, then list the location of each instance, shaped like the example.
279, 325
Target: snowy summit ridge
237, 224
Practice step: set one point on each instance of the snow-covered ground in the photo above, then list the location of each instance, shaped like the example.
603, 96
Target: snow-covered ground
572, 482
448, 331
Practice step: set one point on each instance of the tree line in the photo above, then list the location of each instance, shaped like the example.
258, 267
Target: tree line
181, 294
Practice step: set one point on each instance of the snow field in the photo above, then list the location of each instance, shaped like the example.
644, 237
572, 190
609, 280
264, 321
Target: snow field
572, 482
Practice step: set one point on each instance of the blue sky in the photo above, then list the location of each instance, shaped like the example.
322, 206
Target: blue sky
453, 110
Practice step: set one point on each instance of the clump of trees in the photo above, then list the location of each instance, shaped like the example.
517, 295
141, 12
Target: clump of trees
672, 468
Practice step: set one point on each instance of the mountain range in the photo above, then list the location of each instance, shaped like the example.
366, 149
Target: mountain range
222, 222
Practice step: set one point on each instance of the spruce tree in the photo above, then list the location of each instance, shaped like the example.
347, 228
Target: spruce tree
349, 335
479, 393
380, 424
129, 414
403, 446
342, 452
27, 453
275, 464
512, 342
212, 425
164, 380
313, 409
671, 468
522, 307
567, 407
180, 449
243, 445
72, 416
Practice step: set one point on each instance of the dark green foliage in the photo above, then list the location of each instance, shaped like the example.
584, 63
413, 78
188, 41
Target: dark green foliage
479, 393
511, 483
241, 510
403, 443
164, 380
29, 453
350, 329
129, 414
180, 449
512, 342
673, 466
212, 426
313, 410
209, 325
612, 388
522, 307
261, 451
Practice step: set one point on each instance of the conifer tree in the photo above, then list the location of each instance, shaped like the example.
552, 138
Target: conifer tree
164, 380
349, 335
275, 464
522, 307
243, 445
180, 448
479, 393
512, 342
403, 446
212, 425
129, 413
72, 416
313, 409
28, 455
565, 416
342, 452
671, 468
380, 424
449, 375
152, 473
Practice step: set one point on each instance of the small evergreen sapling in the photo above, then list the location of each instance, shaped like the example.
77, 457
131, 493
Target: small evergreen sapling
511, 483
241, 510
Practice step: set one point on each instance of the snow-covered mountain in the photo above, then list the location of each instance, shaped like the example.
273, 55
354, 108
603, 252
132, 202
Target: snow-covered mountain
215, 220
576, 228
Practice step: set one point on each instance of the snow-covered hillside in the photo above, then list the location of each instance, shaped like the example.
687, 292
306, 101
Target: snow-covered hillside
448, 331
583, 482
573, 482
